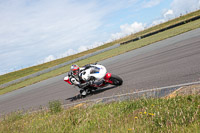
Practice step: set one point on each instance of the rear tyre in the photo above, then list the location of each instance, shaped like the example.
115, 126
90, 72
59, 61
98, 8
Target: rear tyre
116, 80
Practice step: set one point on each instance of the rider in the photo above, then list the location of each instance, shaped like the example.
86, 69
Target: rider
82, 77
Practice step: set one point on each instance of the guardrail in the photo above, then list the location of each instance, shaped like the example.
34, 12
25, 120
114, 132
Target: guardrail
56, 67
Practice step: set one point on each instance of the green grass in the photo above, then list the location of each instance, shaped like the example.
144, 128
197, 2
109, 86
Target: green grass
120, 50
27, 71
55, 106
178, 114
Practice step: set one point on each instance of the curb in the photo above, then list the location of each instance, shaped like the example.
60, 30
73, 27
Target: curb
151, 93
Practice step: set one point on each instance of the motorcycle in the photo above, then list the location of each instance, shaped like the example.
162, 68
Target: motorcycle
100, 73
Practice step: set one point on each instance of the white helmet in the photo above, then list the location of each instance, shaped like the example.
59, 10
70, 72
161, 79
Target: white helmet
75, 69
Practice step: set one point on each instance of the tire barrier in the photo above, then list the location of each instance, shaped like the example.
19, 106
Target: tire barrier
161, 30
57, 66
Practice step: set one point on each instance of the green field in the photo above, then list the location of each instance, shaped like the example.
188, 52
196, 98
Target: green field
122, 49
177, 114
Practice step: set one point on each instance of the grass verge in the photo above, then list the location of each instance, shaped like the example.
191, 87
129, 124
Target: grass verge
27, 71
120, 50
177, 114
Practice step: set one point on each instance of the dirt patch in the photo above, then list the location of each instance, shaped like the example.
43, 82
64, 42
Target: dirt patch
186, 90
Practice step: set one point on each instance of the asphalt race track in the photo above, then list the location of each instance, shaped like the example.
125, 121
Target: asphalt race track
169, 62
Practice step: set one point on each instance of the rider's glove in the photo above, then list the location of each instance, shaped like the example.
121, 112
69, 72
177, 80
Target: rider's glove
81, 86
87, 66
69, 73
90, 82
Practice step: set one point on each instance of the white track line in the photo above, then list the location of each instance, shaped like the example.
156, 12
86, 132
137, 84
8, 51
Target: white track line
171, 86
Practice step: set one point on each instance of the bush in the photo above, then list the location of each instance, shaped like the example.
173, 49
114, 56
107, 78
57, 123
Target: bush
14, 116
55, 106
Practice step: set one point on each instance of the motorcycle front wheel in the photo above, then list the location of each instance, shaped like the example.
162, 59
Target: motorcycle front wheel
116, 80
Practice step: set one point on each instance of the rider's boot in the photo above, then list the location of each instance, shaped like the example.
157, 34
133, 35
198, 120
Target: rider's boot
83, 92
99, 82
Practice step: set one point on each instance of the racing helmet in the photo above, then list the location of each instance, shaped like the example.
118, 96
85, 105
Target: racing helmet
75, 69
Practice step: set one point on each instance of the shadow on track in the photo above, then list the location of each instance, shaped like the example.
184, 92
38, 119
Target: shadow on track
77, 97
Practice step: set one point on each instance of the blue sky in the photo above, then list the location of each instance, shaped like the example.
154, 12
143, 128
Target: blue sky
38, 31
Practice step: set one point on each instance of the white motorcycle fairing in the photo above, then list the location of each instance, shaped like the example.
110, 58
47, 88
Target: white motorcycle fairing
96, 71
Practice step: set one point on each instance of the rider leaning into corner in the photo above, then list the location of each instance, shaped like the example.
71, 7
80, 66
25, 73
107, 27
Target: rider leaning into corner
85, 76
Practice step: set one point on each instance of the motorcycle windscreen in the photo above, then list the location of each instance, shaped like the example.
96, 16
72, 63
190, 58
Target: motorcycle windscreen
94, 70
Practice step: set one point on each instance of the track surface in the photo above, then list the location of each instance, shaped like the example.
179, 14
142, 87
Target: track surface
169, 62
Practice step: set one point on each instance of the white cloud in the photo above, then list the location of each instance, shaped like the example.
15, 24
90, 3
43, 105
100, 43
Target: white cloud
127, 29
156, 22
151, 3
53, 57
49, 58
83, 48
184, 6
40, 28
67, 53
94, 45
178, 8
168, 13
70, 52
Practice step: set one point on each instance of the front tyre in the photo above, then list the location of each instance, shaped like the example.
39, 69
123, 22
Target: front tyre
116, 80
